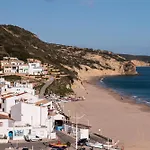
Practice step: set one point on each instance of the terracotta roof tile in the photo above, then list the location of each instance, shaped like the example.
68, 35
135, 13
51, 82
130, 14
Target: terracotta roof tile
12, 95
41, 102
5, 117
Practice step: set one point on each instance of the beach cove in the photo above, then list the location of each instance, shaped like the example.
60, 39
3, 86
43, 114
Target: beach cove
110, 116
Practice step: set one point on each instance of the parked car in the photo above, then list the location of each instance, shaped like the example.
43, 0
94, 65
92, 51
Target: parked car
82, 142
32, 138
25, 148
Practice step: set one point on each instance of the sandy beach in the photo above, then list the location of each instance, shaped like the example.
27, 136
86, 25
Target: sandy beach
118, 119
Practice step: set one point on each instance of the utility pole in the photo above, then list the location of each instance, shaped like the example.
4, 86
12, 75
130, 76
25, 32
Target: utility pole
76, 132
50, 125
76, 121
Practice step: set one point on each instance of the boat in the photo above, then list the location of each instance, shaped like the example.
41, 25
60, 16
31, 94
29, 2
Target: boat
58, 145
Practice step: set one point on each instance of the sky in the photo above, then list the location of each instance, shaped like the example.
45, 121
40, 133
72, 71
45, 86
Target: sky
121, 26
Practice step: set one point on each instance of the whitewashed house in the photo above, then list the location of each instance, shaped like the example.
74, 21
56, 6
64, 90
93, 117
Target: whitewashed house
11, 99
35, 67
6, 87
29, 114
10, 130
7, 69
21, 88
7, 102
10, 65
23, 69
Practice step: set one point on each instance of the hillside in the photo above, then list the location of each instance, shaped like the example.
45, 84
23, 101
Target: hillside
138, 60
78, 63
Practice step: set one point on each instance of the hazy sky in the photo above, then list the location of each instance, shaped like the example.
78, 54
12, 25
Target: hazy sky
116, 25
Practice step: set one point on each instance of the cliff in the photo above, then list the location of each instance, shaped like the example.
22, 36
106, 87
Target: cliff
140, 63
76, 62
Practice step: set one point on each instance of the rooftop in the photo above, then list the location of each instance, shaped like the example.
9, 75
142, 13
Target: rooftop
44, 101
12, 95
5, 117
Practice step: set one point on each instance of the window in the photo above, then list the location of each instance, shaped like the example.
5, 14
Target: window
1, 124
3, 101
0, 105
3, 109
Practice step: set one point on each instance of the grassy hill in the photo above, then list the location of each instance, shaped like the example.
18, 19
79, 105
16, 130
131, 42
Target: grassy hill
18, 42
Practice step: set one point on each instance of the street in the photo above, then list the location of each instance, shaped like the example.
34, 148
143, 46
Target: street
35, 145
62, 137
40, 145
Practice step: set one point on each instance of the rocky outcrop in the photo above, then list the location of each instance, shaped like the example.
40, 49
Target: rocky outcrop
128, 68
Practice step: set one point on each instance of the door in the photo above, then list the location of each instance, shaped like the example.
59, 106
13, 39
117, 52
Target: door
10, 135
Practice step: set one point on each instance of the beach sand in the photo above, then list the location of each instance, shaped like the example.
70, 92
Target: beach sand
118, 119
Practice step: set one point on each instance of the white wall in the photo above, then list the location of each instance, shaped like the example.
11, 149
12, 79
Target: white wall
25, 85
29, 97
16, 112
8, 103
7, 70
3, 130
21, 90
24, 69
35, 68
50, 124
11, 101
34, 64
4, 126
30, 114
41, 132
19, 132
83, 133
59, 117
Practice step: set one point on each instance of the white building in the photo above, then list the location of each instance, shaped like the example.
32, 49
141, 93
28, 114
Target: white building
21, 88
9, 129
23, 69
35, 67
12, 129
7, 69
82, 130
33, 70
29, 114
12, 99
8, 102
5, 123
10, 65
16, 87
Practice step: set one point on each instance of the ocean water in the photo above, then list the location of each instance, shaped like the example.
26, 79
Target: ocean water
138, 87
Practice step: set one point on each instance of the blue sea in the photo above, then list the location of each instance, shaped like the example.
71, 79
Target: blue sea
137, 87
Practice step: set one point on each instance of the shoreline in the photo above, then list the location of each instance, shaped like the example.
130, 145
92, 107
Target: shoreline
122, 98
123, 120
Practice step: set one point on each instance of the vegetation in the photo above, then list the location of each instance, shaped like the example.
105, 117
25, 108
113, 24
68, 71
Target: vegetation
61, 87
12, 78
136, 57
